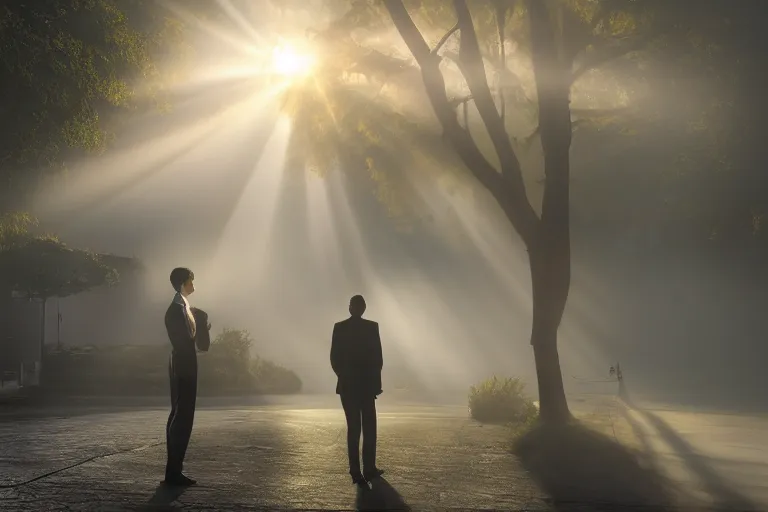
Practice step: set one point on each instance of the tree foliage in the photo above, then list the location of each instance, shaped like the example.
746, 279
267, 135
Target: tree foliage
65, 67
42, 266
489, 70
652, 73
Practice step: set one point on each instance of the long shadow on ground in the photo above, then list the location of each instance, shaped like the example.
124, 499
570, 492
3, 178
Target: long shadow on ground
723, 495
578, 467
380, 496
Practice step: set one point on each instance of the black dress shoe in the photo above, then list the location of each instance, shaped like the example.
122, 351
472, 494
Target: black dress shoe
374, 473
358, 479
179, 480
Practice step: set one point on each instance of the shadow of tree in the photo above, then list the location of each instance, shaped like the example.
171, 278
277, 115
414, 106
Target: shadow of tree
713, 484
577, 466
380, 496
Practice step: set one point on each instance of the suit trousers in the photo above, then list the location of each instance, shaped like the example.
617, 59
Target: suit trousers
178, 430
360, 412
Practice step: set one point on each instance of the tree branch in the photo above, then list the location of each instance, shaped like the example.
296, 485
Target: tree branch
472, 67
606, 53
509, 193
455, 102
445, 38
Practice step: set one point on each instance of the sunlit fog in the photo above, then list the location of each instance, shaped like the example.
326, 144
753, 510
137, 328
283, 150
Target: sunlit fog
212, 181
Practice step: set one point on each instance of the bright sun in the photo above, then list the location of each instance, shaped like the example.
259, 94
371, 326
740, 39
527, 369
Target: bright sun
288, 62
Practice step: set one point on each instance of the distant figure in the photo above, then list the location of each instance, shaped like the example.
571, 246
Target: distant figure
182, 369
620, 377
356, 359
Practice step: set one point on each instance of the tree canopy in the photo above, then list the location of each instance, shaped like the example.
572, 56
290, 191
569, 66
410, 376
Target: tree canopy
502, 72
646, 74
65, 67
41, 266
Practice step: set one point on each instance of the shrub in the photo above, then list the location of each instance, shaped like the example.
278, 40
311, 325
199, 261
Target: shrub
235, 343
501, 401
269, 377
227, 369
226, 366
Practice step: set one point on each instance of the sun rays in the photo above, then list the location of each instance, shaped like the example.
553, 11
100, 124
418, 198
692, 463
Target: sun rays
209, 184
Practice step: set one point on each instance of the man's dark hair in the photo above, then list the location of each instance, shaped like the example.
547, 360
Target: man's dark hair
357, 306
179, 276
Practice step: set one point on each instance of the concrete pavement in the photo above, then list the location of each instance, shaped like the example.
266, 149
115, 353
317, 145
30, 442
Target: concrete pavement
721, 460
271, 453
270, 456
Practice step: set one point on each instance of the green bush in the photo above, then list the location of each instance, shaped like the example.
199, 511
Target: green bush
501, 401
226, 366
271, 378
227, 369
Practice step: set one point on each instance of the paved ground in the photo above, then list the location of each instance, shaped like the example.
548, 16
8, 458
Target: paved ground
720, 459
263, 456
289, 454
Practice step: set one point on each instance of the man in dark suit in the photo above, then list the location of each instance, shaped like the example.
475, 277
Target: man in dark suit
182, 369
356, 359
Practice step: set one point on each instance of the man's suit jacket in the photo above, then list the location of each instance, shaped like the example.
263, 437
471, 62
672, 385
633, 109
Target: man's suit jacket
356, 357
202, 334
184, 356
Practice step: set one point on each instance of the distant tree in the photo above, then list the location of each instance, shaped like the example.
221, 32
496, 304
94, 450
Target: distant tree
41, 266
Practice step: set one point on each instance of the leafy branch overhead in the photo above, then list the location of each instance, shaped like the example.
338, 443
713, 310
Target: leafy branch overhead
617, 51
43, 266
65, 67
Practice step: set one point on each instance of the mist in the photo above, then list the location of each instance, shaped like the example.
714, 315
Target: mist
279, 249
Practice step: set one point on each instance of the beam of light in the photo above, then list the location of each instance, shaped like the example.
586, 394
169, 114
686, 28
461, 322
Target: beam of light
458, 213
581, 353
115, 176
323, 235
224, 36
245, 235
238, 18
120, 170
421, 331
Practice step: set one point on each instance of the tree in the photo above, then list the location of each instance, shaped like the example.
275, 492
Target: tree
65, 68
565, 42
41, 267
547, 237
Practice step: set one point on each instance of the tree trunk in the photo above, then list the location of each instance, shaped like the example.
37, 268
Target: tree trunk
550, 291
550, 252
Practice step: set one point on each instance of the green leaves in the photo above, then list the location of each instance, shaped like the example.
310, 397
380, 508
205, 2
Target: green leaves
66, 66
45, 267
42, 266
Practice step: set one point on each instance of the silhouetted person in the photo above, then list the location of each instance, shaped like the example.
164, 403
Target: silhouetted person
357, 361
622, 388
182, 369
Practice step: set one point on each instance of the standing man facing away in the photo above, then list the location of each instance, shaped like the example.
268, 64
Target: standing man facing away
182, 369
356, 359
